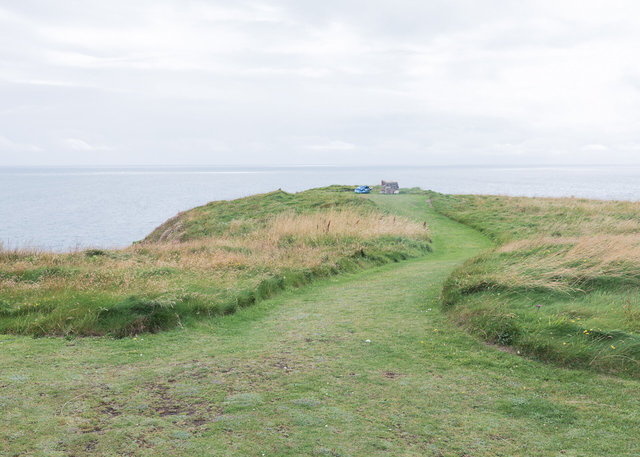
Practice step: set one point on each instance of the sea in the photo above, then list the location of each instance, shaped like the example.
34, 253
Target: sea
63, 209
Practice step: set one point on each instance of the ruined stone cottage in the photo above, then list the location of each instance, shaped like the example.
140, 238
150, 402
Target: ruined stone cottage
389, 187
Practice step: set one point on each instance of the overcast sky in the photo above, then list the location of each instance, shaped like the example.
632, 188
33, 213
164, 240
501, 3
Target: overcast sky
319, 82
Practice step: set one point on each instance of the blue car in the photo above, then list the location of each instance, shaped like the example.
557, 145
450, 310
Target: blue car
363, 190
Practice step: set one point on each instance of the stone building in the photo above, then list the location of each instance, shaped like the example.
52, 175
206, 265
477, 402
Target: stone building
389, 187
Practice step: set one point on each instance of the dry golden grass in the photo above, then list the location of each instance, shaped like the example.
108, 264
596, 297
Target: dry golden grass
289, 241
565, 263
554, 243
586, 217
340, 223
605, 248
210, 260
563, 283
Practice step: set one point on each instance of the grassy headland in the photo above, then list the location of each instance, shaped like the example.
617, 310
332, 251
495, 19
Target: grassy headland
356, 364
207, 261
563, 283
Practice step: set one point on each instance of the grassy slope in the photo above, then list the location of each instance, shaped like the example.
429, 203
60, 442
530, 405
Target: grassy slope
210, 260
563, 283
294, 376
214, 218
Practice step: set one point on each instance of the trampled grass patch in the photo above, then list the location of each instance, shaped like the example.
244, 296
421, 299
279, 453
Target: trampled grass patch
539, 409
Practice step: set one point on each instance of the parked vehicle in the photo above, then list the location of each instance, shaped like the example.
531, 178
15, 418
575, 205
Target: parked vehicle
363, 190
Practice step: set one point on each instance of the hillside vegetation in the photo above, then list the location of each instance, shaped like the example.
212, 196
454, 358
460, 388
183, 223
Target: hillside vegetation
563, 283
207, 261
363, 364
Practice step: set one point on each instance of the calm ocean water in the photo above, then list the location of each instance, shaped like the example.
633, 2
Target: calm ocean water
65, 208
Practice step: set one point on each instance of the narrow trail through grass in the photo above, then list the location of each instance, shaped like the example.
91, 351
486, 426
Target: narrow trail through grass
363, 364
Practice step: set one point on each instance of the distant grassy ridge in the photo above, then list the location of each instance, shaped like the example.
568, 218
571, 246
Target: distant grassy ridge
207, 261
562, 284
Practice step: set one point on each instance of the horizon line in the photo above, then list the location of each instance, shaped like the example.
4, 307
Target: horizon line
328, 165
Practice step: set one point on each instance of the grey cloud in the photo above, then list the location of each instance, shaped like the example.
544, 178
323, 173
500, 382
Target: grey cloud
287, 81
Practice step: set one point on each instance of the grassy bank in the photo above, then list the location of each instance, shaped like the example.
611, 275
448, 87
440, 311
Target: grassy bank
295, 376
562, 284
208, 261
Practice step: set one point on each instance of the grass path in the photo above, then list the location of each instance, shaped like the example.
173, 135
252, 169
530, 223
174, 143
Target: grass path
295, 376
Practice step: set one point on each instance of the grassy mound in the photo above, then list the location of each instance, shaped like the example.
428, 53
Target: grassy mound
563, 283
207, 261
254, 212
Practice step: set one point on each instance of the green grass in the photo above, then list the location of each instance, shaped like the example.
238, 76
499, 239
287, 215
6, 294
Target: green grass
294, 376
214, 218
563, 285
208, 261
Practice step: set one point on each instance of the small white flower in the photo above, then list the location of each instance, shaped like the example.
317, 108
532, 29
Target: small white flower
367, 341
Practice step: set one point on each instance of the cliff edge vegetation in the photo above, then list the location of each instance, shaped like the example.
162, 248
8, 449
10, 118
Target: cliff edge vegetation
207, 261
563, 283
